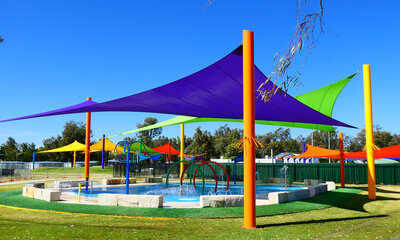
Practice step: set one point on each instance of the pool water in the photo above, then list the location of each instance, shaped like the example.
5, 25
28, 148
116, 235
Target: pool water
184, 193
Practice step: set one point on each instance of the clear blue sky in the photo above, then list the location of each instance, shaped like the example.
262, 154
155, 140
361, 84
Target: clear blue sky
57, 53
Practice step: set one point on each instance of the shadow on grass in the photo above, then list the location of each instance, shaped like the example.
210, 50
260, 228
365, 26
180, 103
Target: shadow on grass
378, 190
345, 200
318, 221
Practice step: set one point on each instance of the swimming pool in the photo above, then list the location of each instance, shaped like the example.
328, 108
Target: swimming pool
184, 193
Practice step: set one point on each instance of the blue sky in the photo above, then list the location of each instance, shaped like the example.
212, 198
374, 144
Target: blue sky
58, 53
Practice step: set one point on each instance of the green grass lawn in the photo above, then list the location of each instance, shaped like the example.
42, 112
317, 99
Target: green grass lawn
344, 213
357, 218
334, 198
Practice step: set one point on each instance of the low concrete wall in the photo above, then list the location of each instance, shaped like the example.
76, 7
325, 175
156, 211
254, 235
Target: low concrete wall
311, 182
153, 180
51, 195
68, 184
28, 192
221, 201
41, 194
116, 181
35, 185
311, 191
331, 186
277, 197
298, 195
131, 180
107, 199
146, 201
277, 180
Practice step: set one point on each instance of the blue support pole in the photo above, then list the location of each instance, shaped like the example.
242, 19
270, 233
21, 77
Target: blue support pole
304, 149
102, 153
33, 160
140, 152
127, 168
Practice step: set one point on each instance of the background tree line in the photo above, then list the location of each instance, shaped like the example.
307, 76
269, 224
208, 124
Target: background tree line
220, 143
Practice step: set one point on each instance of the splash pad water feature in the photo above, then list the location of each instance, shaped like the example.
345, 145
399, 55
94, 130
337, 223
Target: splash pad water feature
186, 192
178, 193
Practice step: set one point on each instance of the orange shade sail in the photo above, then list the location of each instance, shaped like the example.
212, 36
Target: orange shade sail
318, 152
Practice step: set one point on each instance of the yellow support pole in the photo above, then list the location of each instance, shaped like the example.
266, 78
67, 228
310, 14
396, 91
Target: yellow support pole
249, 180
369, 132
87, 149
79, 193
182, 165
74, 158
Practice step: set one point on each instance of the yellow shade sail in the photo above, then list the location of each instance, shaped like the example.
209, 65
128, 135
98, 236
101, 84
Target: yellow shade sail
79, 147
75, 146
108, 146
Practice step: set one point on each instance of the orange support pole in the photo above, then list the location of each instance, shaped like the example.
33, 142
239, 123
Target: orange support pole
87, 149
341, 159
369, 134
249, 179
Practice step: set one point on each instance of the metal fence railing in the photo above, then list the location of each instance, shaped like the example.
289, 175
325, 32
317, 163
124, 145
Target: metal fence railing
10, 171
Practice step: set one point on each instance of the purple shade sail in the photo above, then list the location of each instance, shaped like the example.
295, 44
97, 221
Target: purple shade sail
67, 110
214, 92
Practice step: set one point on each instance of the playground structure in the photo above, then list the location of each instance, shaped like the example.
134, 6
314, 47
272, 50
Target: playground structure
287, 111
139, 149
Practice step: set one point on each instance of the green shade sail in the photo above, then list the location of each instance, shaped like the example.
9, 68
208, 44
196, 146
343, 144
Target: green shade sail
321, 100
143, 148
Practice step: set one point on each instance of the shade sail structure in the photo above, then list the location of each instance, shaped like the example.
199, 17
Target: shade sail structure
108, 146
377, 161
167, 149
73, 147
67, 110
194, 157
322, 100
317, 152
313, 151
213, 92
386, 152
142, 148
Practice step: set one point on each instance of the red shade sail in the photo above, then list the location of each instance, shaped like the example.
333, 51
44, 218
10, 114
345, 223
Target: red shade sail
386, 152
167, 149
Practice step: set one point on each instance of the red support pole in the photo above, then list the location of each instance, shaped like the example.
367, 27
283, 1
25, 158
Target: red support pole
341, 159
